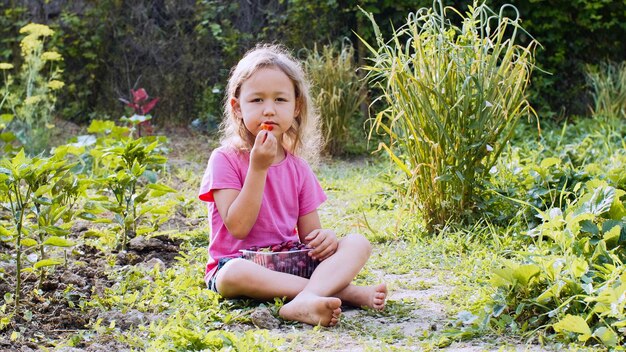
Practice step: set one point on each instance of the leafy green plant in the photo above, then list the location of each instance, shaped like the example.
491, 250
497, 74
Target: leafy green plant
548, 171
30, 96
454, 95
572, 280
32, 188
608, 83
127, 169
337, 91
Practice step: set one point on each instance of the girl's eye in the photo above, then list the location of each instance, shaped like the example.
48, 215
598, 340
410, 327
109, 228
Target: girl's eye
256, 100
281, 99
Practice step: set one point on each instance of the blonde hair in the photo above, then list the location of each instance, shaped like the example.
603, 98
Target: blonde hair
303, 138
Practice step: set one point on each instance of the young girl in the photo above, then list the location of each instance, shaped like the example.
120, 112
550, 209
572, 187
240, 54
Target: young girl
260, 192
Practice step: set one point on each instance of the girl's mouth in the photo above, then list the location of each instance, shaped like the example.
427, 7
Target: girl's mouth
266, 127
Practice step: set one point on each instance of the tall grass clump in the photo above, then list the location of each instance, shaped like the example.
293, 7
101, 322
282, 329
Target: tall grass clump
608, 83
454, 95
337, 91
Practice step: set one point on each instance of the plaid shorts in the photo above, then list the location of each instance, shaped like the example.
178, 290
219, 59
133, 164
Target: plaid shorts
220, 263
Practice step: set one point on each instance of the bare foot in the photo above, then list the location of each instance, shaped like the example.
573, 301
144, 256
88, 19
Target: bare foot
365, 296
312, 309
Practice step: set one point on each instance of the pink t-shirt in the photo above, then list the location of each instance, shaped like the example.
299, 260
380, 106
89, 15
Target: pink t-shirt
291, 190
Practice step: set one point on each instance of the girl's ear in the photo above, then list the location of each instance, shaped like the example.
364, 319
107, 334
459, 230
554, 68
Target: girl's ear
234, 103
297, 111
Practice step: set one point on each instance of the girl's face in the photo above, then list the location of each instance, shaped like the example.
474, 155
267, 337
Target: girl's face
267, 97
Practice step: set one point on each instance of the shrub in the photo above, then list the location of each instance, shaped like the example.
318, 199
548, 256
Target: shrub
338, 94
608, 83
454, 95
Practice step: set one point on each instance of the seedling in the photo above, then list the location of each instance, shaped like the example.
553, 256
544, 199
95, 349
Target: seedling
32, 188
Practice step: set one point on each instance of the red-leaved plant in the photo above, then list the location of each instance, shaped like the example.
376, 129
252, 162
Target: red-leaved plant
141, 105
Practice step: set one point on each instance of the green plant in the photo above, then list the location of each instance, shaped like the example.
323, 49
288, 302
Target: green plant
608, 83
454, 95
31, 98
127, 169
32, 188
211, 107
572, 279
338, 93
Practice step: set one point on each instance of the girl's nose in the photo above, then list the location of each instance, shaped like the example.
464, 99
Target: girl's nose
269, 108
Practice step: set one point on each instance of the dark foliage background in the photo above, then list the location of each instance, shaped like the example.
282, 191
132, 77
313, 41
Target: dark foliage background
182, 50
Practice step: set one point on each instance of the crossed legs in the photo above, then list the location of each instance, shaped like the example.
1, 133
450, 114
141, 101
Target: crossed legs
313, 301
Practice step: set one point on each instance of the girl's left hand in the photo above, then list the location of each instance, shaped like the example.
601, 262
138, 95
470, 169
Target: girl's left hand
324, 243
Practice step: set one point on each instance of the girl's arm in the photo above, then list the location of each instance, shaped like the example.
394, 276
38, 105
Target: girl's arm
323, 241
240, 209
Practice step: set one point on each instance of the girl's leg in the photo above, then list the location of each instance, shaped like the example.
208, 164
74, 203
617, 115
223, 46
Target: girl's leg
315, 305
332, 277
241, 277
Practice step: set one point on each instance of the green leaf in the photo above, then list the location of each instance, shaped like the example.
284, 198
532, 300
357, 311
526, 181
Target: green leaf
5, 232
546, 163
159, 189
589, 227
618, 208
56, 230
87, 216
612, 236
93, 233
28, 242
579, 267
100, 126
606, 335
6, 118
498, 309
7, 137
141, 198
58, 242
524, 273
574, 323
600, 201
47, 262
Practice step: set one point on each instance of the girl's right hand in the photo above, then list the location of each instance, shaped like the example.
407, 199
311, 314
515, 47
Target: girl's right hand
264, 151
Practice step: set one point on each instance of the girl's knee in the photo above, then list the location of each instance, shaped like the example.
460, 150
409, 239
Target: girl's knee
358, 241
230, 275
